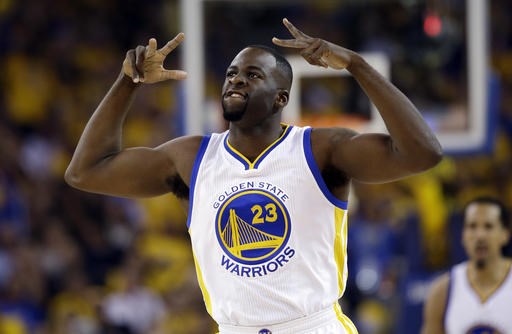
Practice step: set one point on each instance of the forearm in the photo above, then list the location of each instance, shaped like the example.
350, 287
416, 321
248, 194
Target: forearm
410, 134
102, 136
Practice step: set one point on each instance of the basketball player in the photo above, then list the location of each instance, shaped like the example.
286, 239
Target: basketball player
267, 201
476, 296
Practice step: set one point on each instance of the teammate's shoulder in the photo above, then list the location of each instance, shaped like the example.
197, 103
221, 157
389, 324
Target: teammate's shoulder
442, 279
439, 286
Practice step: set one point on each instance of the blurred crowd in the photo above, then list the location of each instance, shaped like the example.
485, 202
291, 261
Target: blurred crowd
72, 262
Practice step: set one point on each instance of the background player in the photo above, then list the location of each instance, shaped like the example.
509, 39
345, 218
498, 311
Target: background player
476, 296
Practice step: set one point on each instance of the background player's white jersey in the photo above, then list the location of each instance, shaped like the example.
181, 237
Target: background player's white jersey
467, 314
269, 239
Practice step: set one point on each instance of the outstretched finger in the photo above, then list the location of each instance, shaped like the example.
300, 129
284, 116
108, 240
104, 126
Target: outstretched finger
174, 74
151, 48
172, 44
293, 30
290, 43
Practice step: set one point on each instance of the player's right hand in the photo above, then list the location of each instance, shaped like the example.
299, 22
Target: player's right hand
145, 63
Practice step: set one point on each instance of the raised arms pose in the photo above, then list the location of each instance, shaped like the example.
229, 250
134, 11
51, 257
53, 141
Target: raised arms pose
267, 201
101, 164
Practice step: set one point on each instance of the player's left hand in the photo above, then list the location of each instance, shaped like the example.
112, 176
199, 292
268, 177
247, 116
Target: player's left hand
316, 51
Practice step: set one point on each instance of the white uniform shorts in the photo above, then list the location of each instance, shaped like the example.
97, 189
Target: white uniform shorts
328, 321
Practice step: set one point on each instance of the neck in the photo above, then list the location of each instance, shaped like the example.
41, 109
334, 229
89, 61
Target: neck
492, 272
253, 140
485, 281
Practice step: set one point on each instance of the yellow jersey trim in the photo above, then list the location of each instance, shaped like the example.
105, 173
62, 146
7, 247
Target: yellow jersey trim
253, 165
340, 246
206, 295
345, 321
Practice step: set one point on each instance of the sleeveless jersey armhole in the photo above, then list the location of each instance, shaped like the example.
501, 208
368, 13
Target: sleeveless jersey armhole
313, 167
193, 176
448, 295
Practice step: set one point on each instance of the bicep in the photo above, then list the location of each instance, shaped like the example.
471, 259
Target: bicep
132, 172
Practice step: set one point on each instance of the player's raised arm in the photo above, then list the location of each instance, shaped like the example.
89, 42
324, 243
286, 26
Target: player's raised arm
410, 147
100, 163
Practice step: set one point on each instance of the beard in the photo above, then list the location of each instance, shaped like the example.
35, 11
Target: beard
232, 114
481, 264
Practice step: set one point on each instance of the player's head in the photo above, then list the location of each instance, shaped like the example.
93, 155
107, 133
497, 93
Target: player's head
486, 229
284, 69
259, 79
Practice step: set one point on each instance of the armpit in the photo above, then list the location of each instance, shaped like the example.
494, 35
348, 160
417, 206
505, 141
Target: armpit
334, 178
178, 187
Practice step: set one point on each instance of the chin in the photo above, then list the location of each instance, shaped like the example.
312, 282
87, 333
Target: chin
233, 116
233, 112
480, 263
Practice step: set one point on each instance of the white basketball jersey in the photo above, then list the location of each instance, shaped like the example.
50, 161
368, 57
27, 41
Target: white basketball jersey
269, 239
466, 314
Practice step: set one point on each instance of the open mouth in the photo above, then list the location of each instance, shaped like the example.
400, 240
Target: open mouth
235, 95
481, 249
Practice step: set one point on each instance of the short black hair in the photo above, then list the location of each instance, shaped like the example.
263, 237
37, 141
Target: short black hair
504, 214
282, 63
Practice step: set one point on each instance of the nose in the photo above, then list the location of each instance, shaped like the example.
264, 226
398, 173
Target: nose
481, 233
237, 80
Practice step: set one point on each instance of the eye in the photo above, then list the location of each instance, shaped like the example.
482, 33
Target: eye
230, 74
470, 226
489, 226
254, 75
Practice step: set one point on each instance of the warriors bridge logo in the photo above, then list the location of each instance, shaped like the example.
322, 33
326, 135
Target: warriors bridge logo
253, 227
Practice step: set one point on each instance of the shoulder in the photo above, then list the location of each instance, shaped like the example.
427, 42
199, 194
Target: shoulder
179, 145
439, 288
332, 135
435, 306
438, 294
326, 141
182, 152
328, 138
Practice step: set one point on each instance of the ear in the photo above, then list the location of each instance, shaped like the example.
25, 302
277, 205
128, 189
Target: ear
282, 99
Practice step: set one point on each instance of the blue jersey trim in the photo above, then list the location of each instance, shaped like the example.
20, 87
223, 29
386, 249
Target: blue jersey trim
236, 155
448, 293
193, 176
285, 134
317, 174
254, 165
